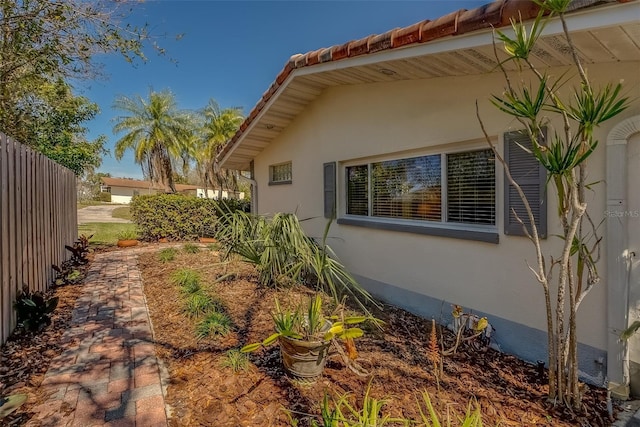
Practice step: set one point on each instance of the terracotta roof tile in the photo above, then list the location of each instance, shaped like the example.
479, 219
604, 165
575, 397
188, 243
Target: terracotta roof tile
282, 76
136, 183
483, 17
514, 8
380, 42
325, 55
359, 47
129, 183
407, 35
496, 14
340, 52
444, 26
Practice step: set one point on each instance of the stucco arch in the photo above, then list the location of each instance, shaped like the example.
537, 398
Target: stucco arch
618, 253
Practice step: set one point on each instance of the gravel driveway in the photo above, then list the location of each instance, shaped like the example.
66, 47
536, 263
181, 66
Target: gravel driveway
100, 213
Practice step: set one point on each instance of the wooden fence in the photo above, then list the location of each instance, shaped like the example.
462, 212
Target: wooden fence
38, 216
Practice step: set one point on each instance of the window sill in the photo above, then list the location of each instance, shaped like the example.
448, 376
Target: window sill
488, 236
280, 182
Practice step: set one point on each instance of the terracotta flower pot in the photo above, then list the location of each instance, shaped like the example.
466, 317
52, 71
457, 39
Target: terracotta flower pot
127, 243
163, 240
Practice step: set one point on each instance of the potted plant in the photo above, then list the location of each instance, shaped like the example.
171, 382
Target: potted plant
206, 235
127, 238
306, 335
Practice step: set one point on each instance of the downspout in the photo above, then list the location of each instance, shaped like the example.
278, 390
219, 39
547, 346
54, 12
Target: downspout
254, 188
254, 196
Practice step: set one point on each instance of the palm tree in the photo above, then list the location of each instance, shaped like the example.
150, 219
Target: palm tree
218, 125
156, 131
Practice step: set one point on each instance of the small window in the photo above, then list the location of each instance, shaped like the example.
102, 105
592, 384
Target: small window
280, 174
105, 189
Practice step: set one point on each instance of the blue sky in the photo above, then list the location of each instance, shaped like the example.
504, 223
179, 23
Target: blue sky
232, 50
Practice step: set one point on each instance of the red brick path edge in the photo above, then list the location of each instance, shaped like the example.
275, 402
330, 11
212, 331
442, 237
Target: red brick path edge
109, 374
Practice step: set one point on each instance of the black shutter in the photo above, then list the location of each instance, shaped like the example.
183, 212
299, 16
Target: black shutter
330, 190
531, 177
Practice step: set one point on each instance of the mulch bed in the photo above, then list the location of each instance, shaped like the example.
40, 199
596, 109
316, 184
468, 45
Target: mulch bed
202, 392
509, 391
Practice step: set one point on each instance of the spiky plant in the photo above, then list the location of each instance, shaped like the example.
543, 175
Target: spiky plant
572, 272
236, 360
190, 248
167, 255
187, 280
214, 323
199, 304
472, 417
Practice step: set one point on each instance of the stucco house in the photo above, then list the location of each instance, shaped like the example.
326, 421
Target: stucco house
123, 189
382, 133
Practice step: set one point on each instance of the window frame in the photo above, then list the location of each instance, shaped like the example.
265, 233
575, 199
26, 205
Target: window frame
284, 181
478, 232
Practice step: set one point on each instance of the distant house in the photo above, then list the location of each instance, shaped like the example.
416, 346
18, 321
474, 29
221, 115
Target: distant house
381, 133
123, 189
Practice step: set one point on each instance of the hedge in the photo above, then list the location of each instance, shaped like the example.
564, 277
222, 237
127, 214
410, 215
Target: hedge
174, 216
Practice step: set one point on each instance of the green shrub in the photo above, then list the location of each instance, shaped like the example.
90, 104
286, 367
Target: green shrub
232, 205
187, 280
236, 360
198, 304
104, 197
190, 248
167, 254
214, 323
174, 216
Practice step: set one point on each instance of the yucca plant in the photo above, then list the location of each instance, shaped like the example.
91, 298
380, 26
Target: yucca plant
565, 157
282, 252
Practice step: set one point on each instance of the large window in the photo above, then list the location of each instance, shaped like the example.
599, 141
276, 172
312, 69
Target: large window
441, 188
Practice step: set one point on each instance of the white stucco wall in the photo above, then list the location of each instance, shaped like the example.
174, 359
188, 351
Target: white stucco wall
360, 121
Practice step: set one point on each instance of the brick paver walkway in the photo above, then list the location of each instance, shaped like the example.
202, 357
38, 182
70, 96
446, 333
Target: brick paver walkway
109, 374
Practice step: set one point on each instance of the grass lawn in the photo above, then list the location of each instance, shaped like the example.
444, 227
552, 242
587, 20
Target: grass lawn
122, 212
104, 233
86, 203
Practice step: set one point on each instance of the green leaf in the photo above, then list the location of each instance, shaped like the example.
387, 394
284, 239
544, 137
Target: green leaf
271, 339
351, 333
250, 347
355, 319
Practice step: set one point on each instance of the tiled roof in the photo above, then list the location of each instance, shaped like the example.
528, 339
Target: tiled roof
129, 183
497, 14
135, 183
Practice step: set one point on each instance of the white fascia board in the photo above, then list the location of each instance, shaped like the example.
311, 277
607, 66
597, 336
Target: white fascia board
591, 18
